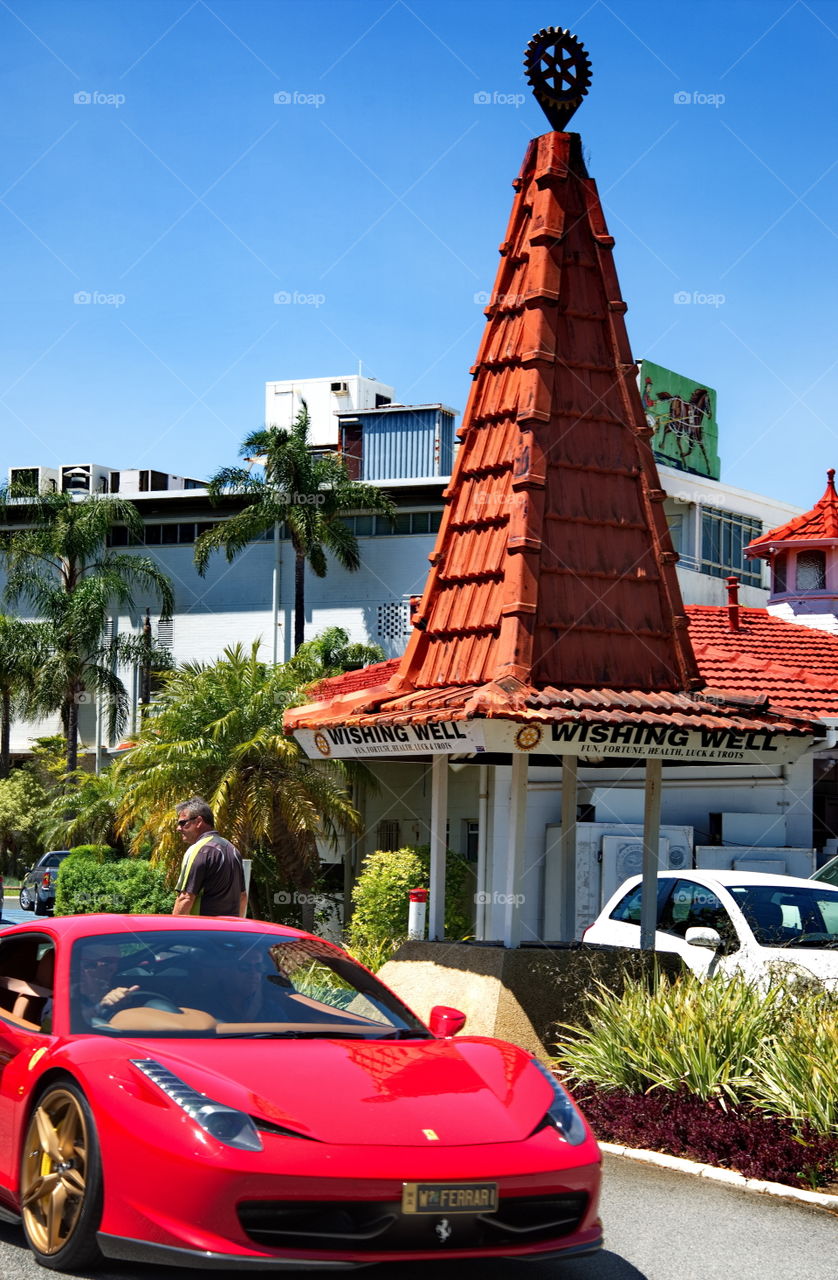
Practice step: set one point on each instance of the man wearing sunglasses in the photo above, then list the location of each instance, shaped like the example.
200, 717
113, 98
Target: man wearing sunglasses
211, 881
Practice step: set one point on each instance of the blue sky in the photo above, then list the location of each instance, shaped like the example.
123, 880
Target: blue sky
181, 198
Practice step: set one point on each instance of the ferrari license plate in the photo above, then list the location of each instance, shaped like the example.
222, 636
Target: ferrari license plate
449, 1197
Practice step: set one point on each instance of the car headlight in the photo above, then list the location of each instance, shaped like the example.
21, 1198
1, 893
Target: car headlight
225, 1124
563, 1114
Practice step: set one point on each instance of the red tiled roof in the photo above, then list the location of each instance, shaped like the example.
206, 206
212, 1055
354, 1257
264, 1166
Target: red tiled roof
510, 700
818, 525
351, 681
792, 665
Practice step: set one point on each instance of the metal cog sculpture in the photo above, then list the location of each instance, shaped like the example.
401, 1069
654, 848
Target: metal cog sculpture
559, 70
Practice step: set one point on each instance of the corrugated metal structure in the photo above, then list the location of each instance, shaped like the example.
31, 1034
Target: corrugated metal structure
399, 442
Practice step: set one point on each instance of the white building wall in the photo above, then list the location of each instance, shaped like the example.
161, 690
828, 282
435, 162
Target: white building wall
689, 796
284, 399
687, 495
404, 796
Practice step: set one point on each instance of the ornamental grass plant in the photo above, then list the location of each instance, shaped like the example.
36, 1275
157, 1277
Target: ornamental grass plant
720, 1040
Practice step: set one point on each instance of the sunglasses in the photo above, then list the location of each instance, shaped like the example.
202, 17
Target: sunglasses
185, 822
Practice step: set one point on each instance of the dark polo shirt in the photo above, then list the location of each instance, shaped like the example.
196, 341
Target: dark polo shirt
215, 876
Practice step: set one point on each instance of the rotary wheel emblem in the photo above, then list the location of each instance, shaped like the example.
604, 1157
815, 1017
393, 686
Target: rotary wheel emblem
559, 70
322, 744
528, 738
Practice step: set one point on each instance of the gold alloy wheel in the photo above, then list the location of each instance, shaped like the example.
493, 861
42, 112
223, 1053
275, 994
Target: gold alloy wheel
54, 1170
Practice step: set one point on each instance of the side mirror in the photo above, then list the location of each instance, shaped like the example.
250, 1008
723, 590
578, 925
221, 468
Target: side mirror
702, 937
444, 1021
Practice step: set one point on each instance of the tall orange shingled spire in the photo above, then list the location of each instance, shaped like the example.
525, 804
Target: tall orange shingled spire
553, 563
552, 592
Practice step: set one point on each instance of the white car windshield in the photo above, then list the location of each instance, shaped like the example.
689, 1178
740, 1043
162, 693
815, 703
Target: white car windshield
228, 983
797, 916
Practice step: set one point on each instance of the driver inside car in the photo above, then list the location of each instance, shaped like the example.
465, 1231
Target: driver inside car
98, 998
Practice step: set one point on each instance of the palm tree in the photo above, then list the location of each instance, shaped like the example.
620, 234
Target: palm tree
308, 492
57, 559
330, 654
83, 811
21, 646
216, 730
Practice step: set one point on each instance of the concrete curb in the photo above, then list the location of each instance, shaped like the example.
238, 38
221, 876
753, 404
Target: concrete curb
818, 1198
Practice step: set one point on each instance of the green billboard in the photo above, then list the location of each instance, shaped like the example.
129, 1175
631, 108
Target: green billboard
683, 414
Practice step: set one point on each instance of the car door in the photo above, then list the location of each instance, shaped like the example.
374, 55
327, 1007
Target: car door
621, 928
21, 957
690, 904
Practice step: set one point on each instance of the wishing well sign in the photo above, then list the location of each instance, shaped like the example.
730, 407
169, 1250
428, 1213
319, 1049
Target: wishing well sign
592, 739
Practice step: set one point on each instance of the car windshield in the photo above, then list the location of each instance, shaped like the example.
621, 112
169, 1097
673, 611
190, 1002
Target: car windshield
228, 984
797, 916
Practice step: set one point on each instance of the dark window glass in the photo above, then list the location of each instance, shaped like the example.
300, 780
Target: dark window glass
186, 533
694, 906
420, 522
168, 534
724, 536
118, 536
151, 535
628, 910
400, 524
363, 526
436, 520
676, 532
811, 571
779, 571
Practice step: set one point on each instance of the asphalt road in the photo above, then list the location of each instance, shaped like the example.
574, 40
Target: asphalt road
659, 1225
12, 913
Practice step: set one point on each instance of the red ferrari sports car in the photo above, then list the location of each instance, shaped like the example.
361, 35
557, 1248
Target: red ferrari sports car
227, 1093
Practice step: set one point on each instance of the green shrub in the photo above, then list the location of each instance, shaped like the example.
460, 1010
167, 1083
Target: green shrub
689, 1034
719, 1040
381, 903
94, 878
99, 852
796, 1074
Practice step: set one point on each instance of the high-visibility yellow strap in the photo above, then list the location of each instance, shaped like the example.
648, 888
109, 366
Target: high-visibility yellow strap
186, 867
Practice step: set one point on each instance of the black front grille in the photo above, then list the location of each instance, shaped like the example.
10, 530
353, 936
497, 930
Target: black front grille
380, 1226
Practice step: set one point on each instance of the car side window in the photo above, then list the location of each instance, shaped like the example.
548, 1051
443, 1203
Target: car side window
691, 905
628, 908
27, 966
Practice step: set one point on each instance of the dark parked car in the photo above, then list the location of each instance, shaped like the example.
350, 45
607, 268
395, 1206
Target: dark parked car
37, 889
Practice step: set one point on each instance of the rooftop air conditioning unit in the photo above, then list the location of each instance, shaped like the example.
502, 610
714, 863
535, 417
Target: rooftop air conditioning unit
340, 388
85, 477
41, 479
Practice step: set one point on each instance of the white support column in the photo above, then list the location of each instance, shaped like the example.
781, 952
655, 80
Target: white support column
651, 843
439, 819
482, 851
567, 847
275, 595
99, 751
515, 850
